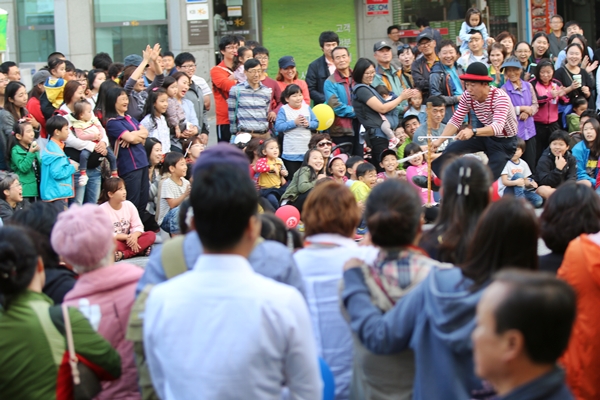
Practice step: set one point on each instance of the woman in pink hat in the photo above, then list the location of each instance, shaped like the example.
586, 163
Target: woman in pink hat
105, 291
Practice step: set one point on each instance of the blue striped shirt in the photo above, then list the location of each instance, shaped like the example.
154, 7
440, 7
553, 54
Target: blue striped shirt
248, 107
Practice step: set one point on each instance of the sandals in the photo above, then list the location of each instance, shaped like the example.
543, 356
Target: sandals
118, 256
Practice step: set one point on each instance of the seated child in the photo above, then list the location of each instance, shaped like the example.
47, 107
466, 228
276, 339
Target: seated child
87, 127
587, 153
304, 180
366, 173
271, 180
351, 165
389, 163
417, 108
514, 178
388, 125
173, 190
556, 165
580, 104
337, 168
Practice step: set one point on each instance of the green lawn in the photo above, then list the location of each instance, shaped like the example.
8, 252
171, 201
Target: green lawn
292, 28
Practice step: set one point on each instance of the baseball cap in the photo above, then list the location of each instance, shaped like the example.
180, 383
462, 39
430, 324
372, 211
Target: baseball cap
287, 61
426, 34
132, 59
381, 45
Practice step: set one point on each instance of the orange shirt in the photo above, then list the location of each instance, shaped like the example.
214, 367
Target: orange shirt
219, 75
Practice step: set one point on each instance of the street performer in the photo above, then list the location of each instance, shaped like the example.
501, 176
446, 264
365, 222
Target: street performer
492, 106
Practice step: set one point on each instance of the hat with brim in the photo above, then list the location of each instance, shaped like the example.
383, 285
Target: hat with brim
388, 152
381, 45
476, 72
511, 64
342, 156
286, 62
425, 35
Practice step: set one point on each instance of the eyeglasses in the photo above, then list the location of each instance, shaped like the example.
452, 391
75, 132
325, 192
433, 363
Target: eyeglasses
15, 185
188, 66
370, 73
323, 144
262, 58
253, 71
232, 47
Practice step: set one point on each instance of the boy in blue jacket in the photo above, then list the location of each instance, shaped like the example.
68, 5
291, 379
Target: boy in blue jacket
57, 170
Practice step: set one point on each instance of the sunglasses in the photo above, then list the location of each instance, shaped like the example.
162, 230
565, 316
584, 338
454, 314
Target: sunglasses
323, 144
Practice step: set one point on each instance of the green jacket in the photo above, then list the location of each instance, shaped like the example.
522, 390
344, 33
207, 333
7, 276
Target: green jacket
21, 163
34, 362
573, 122
300, 183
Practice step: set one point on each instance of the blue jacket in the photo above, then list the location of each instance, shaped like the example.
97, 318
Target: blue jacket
269, 258
57, 174
582, 153
441, 84
129, 158
435, 320
550, 386
338, 95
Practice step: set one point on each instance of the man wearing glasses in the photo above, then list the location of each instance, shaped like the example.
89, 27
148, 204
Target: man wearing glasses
421, 68
223, 80
262, 55
250, 103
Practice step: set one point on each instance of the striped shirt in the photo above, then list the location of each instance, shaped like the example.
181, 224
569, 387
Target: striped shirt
248, 108
496, 112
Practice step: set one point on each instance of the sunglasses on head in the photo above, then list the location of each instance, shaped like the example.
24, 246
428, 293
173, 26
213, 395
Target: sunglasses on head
323, 144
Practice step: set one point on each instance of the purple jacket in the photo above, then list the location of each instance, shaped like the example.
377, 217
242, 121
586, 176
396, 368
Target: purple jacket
523, 97
105, 297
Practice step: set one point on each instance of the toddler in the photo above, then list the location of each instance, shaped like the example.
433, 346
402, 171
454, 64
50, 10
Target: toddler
417, 108
243, 55
472, 21
386, 125
515, 180
272, 172
173, 190
55, 84
88, 127
580, 104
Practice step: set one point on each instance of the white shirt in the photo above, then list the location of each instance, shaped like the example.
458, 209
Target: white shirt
321, 264
510, 170
222, 331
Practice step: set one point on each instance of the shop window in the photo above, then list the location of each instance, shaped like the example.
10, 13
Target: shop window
35, 20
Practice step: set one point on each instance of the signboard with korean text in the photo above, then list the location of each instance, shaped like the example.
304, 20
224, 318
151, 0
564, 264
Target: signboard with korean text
378, 7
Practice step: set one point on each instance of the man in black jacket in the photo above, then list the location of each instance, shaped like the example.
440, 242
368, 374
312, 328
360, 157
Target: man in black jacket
320, 69
422, 66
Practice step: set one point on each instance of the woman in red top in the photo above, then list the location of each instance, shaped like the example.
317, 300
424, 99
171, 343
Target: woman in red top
33, 104
287, 75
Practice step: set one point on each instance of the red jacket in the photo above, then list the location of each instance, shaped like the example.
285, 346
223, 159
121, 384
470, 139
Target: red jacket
219, 75
581, 269
35, 109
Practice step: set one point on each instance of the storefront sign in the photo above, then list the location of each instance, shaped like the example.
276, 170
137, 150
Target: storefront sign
413, 33
234, 11
196, 12
378, 7
198, 34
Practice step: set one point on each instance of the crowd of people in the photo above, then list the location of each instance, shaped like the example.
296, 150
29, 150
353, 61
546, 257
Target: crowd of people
292, 261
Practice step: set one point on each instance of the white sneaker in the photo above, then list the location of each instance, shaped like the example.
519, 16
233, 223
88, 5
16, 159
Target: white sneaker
83, 180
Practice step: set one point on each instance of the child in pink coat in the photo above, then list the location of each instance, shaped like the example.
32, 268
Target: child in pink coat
104, 292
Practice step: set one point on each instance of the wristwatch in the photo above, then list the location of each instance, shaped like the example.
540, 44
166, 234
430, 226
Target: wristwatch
474, 131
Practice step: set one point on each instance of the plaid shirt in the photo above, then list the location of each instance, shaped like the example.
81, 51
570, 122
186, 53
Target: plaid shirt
248, 108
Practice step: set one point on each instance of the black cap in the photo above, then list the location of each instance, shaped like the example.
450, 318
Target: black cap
426, 34
381, 45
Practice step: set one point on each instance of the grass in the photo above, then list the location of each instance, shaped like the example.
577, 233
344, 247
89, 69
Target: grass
292, 28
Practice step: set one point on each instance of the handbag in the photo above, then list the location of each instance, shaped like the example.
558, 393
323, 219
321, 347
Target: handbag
86, 384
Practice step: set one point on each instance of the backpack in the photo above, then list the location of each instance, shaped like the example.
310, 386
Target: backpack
174, 264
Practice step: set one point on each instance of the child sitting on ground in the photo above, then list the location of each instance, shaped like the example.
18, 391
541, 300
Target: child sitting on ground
366, 173
304, 179
515, 179
337, 168
417, 108
389, 162
88, 127
390, 120
351, 165
580, 104
556, 165
173, 190
271, 180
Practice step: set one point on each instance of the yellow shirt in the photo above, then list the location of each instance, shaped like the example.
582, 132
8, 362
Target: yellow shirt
268, 180
360, 190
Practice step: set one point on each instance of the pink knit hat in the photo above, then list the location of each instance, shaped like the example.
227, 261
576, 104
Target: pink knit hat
83, 235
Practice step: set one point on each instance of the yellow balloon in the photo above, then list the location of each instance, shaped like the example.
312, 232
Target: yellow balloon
325, 115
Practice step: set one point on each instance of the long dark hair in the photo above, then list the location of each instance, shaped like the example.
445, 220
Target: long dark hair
313, 173
110, 110
360, 68
10, 92
100, 102
18, 262
91, 77
595, 146
149, 106
536, 37
459, 213
506, 236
